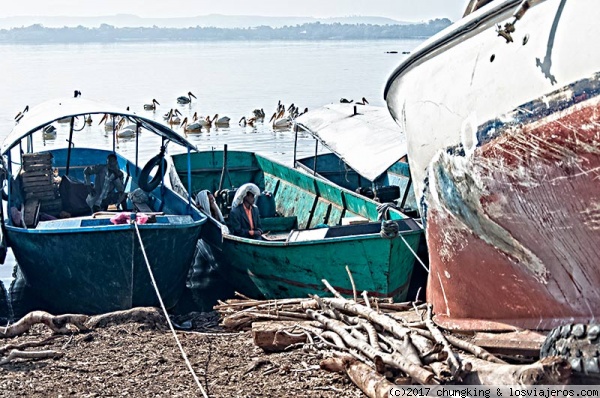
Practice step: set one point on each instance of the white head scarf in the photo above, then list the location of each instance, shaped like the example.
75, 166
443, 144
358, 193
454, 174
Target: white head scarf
203, 204
242, 191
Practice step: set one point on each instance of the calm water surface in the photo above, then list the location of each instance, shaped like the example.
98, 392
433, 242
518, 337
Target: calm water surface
228, 78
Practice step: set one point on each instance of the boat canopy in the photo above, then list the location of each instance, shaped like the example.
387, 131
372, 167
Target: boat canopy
47, 112
368, 141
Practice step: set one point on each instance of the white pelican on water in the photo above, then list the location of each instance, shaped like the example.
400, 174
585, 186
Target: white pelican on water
222, 121
280, 121
172, 117
247, 122
151, 106
194, 127
110, 122
49, 132
259, 114
126, 131
186, 99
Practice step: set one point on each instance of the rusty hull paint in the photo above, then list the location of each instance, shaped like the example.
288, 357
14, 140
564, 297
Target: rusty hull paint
513, 228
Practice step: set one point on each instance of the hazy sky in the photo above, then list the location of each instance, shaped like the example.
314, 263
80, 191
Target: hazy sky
403, 10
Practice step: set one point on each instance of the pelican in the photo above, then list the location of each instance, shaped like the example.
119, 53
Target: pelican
222, 121
363, 101
152, 106
207, 122
49, 132
186, 100
194, 127
282, 123
259, 114
247, 122
110, 123
345, 101
126, 131
21, 114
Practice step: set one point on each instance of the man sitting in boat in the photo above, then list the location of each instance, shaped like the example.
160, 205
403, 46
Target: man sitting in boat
108, 187
244, 218
205, 201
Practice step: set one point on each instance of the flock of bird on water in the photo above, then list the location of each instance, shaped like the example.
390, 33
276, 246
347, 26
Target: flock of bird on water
281, 119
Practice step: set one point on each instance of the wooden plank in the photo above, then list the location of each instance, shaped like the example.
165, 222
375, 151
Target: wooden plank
37, 167
34, 174
273, 336
40, 195
46, 178
31, 211
512, 343
37, 155
39, 188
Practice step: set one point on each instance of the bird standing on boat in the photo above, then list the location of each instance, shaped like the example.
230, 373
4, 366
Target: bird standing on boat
21, 114
151, 106
186, 99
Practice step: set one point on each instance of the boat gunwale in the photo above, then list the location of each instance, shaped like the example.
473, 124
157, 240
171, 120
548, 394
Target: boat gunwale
453, 33
321, 241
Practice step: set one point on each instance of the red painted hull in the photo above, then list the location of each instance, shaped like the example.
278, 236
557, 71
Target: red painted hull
520, 247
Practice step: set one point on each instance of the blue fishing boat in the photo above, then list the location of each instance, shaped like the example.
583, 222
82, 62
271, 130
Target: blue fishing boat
366, 152
84, 262
313, 229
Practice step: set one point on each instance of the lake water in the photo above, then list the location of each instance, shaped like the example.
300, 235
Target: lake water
228, 78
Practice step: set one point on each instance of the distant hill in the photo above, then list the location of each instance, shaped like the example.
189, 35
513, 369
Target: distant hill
306, 31
213, 20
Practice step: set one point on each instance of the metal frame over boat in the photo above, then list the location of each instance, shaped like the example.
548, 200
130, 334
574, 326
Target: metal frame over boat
368, 151
501, 116
87, 264
307, 240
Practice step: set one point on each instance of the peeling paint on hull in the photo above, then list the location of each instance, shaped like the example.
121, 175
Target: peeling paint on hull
503, 148
513, 229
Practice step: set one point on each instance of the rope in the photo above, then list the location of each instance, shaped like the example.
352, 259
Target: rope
390, 229
187, 361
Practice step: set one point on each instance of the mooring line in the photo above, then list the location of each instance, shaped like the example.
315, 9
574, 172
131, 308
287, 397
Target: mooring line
413, 252
183, 354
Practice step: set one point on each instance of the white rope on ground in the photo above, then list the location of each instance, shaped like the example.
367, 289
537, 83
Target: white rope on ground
183, 354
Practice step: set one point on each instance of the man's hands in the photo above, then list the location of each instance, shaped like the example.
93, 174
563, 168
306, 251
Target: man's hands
256, 233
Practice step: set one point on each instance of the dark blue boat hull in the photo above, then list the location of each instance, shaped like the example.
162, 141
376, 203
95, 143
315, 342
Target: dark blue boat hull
98, 271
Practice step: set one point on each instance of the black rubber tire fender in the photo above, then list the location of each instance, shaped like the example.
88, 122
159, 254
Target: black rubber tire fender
578, 343
150, 185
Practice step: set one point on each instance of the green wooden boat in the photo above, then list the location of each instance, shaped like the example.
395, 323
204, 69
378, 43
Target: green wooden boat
315, 229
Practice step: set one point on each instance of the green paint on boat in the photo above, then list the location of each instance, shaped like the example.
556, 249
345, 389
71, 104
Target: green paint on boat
300, 255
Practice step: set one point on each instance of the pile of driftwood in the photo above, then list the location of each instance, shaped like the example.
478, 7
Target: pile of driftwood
69, 324
379, 344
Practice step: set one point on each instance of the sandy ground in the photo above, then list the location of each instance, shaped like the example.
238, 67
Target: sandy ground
137, 360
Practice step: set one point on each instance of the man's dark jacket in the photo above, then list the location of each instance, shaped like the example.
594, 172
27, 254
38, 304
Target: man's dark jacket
239, 223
